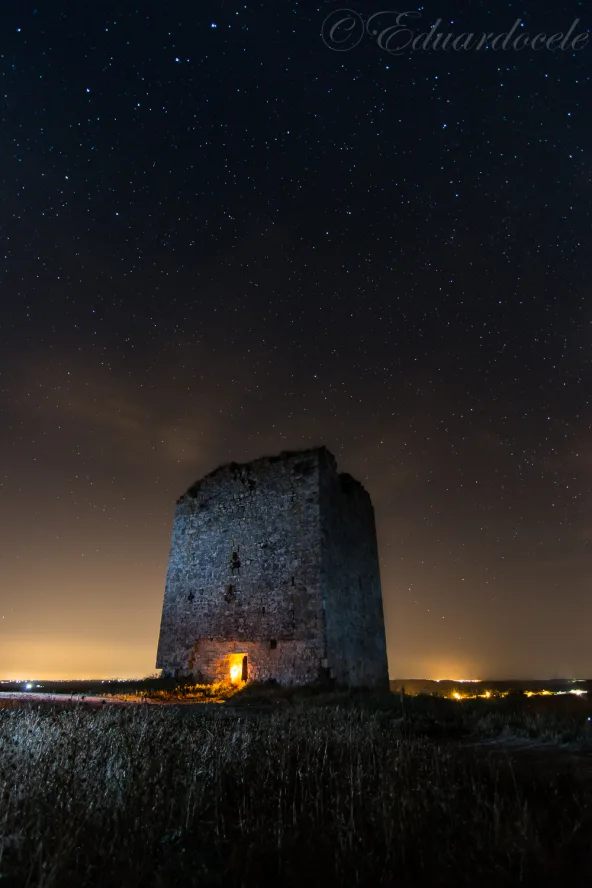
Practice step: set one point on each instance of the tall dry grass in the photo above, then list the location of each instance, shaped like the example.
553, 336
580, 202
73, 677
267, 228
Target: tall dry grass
324, 796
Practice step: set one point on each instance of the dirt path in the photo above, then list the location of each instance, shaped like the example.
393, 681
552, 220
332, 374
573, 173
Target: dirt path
87, 700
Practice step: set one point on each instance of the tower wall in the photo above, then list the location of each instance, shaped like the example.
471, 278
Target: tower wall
356, 642
274, 565
244, 573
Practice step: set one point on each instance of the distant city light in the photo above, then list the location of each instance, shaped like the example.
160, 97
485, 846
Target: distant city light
455, 695
460, 680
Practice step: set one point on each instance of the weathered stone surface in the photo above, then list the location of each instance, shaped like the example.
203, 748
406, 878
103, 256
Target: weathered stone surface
275, 560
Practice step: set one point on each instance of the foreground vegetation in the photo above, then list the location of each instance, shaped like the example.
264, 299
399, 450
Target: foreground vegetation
360, 793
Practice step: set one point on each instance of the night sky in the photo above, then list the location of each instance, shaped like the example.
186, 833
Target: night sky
221, 239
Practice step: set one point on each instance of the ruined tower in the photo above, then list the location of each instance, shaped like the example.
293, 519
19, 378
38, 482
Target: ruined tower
273, 574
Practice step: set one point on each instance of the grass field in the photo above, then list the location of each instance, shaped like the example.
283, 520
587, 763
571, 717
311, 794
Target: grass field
284, 789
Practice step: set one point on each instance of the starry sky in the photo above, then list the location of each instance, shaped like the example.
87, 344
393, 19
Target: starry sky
221, 238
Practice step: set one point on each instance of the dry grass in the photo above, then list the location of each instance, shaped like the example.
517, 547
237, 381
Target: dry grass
214, 692
330, 795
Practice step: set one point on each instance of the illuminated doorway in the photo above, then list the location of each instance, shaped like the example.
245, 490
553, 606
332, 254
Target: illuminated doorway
239, 668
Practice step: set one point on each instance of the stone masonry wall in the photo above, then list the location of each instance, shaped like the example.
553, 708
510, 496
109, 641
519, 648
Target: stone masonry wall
244, 572
289, 661
356, 643
275, 560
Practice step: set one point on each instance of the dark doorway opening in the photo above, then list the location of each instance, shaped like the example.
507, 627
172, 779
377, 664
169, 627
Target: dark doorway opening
245, 669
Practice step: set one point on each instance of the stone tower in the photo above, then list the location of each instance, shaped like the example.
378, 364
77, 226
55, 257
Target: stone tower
273, 574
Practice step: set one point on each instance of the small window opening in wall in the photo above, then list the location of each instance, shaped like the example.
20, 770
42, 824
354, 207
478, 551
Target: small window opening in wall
360, 582
235, 561
262, 610
191, 596
230, 593
273, 644
292, 580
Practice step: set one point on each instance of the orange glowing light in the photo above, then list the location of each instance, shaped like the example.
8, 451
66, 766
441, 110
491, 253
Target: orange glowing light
237, 666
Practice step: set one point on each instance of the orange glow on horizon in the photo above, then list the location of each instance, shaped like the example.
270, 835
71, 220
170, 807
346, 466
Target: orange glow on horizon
68, 659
